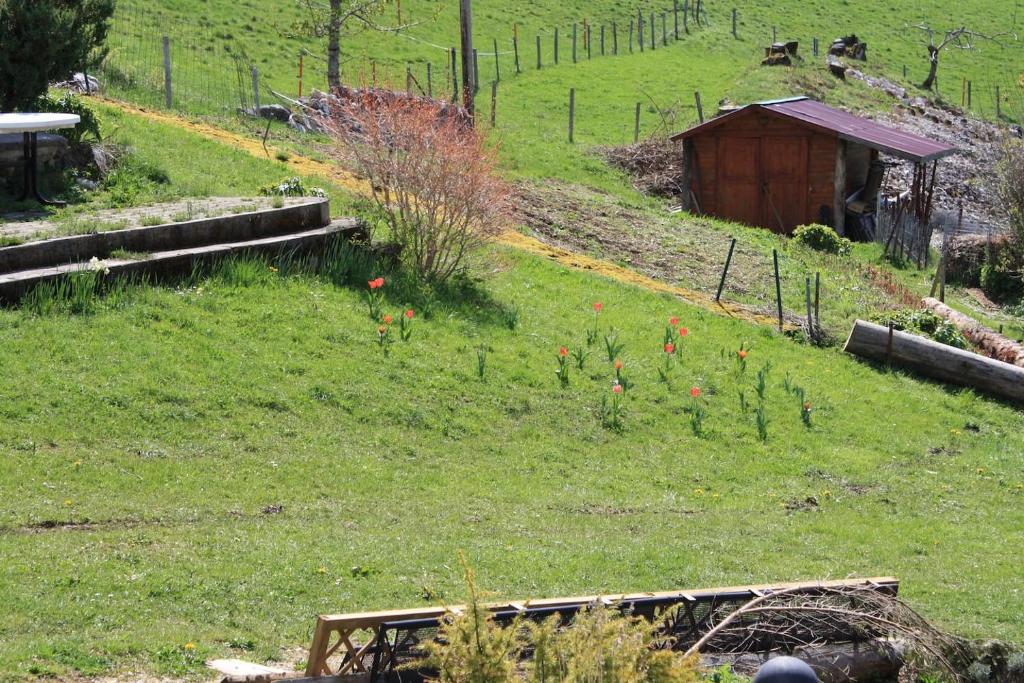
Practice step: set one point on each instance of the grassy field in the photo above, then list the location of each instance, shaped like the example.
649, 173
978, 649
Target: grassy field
157, 513
225, 499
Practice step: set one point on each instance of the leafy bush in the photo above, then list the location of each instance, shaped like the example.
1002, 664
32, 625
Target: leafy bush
292, 187
926, 324
1002, 272
68, 103
433, 179
47, 40
822, 238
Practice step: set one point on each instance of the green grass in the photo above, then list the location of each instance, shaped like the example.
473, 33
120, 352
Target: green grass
134, 489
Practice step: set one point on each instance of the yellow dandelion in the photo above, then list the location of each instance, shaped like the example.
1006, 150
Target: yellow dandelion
273, 269
68, 503
78, 463
828, 494
981, 470
189, 646
699, 492
321, 570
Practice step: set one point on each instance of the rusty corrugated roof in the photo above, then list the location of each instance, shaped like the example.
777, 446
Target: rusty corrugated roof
847, 126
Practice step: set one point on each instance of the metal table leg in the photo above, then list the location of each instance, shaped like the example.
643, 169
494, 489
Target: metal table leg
30, 150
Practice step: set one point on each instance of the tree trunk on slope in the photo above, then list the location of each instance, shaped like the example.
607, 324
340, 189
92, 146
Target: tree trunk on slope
334, 45
933, 58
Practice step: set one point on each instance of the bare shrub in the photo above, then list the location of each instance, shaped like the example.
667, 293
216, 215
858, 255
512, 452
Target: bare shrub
433, 178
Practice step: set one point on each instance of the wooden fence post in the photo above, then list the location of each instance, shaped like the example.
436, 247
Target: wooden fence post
168, 92
301, 55
675, 17
778, 286
494, 103
538, 52
256, 90
455, 77
815, 46
476, 71
515, 50
497, 64
725, 271
602, 40
574, 42
807, 296
640, 30
817, 299
572, 112
775, 36
654, 35
700, 107
408, 79
999, 113
556, 45
586, 39
636, 125
664, 30
430, 81
615, 38
969, 99
631, 36
734, 23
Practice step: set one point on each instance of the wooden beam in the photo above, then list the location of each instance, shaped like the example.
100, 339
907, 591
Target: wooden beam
839, 189
932, 359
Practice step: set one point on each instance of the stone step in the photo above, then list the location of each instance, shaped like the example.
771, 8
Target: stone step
313, 212
170, 262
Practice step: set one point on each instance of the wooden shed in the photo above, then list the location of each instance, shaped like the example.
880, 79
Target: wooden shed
784, 163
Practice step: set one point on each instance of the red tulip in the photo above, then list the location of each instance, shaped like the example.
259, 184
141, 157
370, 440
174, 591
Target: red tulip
673, 321
409, 314
683, 332
618, 364
387, 319
742, 354
598, 306
669, 348
563, 352
617, 388
695, 392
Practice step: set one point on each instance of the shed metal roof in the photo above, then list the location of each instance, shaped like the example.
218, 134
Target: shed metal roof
846, 126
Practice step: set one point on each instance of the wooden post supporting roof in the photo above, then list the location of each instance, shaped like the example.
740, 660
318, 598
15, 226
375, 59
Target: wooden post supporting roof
839, 200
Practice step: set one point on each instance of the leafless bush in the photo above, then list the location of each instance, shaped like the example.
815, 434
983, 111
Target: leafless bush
1011, 185
433, 177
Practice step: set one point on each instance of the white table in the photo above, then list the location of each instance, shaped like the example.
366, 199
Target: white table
30, 125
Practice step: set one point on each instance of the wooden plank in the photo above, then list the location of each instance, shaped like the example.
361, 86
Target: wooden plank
936, 360
839, 189
357, 620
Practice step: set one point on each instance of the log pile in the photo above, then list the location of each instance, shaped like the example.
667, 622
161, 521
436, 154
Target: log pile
987, 340
849, 47
781, 54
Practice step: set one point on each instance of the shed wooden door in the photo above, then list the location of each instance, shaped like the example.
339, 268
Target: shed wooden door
784, 176
739, 191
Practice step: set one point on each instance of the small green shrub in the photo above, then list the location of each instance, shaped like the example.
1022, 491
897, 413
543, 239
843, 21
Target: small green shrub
1002, 272
69, 103
822, 238
600, 644
292, 187
924, 323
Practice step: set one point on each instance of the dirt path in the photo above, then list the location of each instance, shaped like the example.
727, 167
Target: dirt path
306, 166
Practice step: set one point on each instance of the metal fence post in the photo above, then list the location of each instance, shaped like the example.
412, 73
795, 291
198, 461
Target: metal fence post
168, 92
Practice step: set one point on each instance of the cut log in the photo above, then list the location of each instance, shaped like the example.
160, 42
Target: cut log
988, 340
936, 360
878, 660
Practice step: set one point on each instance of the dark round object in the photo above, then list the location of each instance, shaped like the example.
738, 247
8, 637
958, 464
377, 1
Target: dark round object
785, 670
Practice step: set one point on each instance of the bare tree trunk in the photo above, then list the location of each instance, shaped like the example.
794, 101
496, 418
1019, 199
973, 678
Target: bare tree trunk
933, 58
334, 45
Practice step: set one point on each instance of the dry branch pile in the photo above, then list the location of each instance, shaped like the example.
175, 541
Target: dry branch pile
654, 164
788, 620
